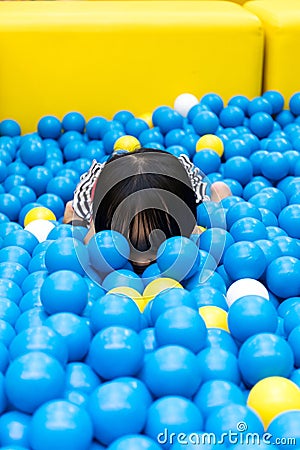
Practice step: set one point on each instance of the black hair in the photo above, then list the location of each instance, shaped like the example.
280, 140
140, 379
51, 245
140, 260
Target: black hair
147, 196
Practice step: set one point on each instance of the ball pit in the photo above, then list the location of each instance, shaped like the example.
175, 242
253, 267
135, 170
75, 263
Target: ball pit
115, 358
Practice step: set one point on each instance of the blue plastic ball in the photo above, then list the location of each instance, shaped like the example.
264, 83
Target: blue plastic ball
265, 355
75, 332
171, 298
218, 364
32, 153
21, 238
276, 100
62, 424
213, 101
33, 372
53, 202
15, 254
134, 127
244, 260
116, 351
34, 280
49, 127
148, 338
63, 187
267, 201
241, 210
178, 258
64, 291
248, 229
268, 217
214, 394
181, 326
24, 193
271, 249
134, 442
285, 429
73, 150
221, 339
236, 147
167, 120
259, 104
216, 241
4, 363
239, 100
294, 341
10, 206
294, 104
38, 178
274, 166
208, 296
224, 420
9, 127
95, 127
3, 171
261, 124
73, 121
115, 310
14, 427
251, 315
205, 122
10, 290
80, 377
41, 339
7, 332
30, 300
231, 116
283, 277
238, 168
289, 220
167, 374
287, 246
34, 317
172, 414
285, 117
9, 311
67, 254
117, 409
291, 318
108, 250
208, 161
123, 277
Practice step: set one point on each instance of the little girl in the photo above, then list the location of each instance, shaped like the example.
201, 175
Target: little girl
146, 195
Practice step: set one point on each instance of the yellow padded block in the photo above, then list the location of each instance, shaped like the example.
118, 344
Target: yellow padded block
281, 21
99, 57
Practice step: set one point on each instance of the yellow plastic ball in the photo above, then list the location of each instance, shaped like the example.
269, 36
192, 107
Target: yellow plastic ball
40, 212
214, 317
272, 396
132, 293
128, 143
147, 117
212, 142
159, 285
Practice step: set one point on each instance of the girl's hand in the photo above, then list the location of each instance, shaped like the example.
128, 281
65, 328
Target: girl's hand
69, 214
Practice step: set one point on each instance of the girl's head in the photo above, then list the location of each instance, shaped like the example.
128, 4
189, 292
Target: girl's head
147, 196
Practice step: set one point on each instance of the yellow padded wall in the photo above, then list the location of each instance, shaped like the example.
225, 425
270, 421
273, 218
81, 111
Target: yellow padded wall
99, 57
281, 21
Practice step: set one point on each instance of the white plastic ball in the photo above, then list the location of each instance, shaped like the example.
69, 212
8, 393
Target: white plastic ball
245, 286
184, 102
40, 228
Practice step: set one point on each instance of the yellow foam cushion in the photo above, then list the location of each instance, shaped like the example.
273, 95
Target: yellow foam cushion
99, 57
281, 21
